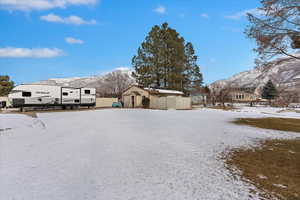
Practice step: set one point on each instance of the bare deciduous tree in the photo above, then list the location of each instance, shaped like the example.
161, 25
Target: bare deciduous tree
222, 92
276, 29
213, 93
114, 84
285, 96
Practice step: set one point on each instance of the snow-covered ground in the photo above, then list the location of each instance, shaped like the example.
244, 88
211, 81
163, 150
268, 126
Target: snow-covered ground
271, 111
124, 154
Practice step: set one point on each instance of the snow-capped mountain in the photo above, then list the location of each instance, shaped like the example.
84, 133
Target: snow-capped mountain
92, 81
284, 72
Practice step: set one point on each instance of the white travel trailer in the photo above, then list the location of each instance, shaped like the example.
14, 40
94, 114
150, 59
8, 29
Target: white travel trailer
34, 95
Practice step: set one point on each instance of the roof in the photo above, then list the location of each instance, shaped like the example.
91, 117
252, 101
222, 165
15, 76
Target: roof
156, 91
297, 77
162, 91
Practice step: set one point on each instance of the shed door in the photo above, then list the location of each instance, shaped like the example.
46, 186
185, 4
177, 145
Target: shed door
133, 101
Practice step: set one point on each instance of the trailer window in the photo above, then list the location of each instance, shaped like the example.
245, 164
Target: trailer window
87, 92
26, 94
65, 94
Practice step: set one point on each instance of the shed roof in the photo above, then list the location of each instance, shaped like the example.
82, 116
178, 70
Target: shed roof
297, 77
162, 91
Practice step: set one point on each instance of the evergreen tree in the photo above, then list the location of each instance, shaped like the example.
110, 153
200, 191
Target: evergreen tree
269, 91
5, 85
193, 77
164, 61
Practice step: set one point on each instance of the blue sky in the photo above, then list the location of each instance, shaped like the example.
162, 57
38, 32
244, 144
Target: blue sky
44, 39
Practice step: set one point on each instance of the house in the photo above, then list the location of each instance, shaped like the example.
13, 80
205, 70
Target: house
139, 97
243, 95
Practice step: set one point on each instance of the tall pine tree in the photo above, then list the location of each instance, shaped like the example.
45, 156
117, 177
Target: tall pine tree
164, 61
269, 91
193, 77
6, 85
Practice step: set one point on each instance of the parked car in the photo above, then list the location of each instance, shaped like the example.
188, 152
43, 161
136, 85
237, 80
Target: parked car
117, 105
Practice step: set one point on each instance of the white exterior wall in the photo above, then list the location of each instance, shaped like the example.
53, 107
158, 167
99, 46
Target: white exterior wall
72, 97
51, 95
88, 98
36, 91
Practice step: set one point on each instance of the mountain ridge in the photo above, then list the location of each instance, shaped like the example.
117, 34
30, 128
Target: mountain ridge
284, 72
90, 81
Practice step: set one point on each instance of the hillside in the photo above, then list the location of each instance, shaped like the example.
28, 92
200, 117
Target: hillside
92, 81
283, 71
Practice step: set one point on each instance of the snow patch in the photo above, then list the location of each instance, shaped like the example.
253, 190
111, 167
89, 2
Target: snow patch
18, 121
280, 186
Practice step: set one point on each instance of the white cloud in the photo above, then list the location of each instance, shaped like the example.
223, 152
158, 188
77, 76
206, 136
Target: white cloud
204, 15
122, 68
11, 52
67, 20
239, 15
28, 5
71, 40
160, 10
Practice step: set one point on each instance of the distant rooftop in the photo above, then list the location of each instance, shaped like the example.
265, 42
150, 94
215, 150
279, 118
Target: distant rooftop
297, 77
163, 91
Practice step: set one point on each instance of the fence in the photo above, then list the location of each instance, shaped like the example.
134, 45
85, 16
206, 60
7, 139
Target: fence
105, 102
183, 103
165, 103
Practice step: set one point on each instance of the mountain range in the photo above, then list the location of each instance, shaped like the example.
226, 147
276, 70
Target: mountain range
283, 72
92, 81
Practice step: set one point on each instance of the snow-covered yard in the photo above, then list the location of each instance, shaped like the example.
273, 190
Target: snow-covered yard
124, 154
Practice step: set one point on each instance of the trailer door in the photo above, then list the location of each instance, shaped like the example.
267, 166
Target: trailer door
70, 96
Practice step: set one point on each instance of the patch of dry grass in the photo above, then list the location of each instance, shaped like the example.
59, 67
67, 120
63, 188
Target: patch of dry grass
282, 124
273, 167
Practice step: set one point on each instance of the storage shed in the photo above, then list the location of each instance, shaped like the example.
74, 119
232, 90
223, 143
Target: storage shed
139, 97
